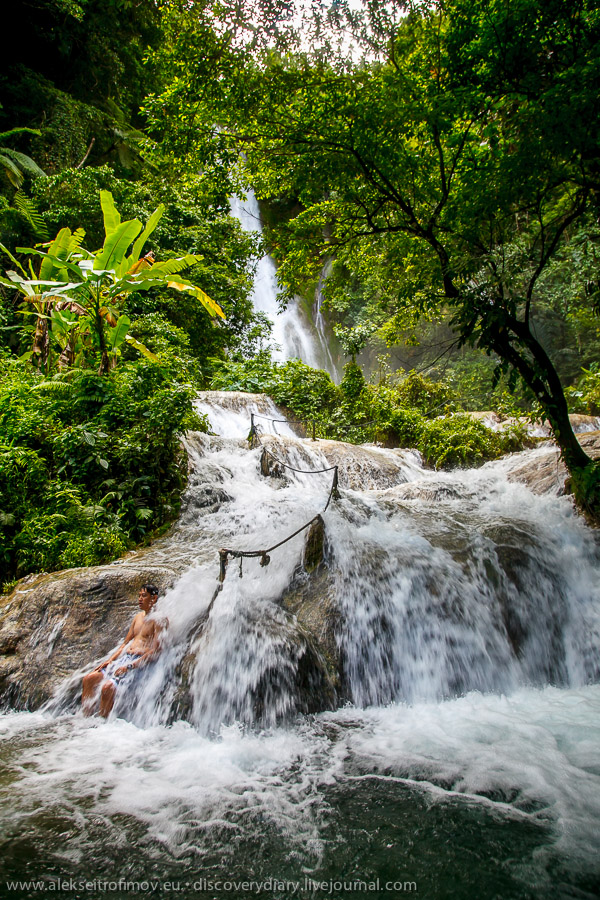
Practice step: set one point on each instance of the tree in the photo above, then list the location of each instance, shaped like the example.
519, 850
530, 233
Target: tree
468, 151
77, 293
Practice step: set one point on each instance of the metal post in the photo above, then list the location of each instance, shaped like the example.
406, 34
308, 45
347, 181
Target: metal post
314, 431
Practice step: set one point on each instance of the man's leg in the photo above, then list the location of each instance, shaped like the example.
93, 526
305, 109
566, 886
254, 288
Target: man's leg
107, 697
89, 691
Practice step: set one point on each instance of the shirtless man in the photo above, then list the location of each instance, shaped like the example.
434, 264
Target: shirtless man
141, 645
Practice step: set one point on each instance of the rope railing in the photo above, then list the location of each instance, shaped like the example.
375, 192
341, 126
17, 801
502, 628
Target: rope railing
305, 424
226, 552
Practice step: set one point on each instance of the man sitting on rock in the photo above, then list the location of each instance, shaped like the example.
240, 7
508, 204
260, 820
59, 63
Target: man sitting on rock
141, 646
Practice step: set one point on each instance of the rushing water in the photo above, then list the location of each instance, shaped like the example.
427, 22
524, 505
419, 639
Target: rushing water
461, 753
295, 335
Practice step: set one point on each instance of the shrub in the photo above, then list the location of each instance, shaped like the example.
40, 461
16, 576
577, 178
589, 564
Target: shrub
90, 465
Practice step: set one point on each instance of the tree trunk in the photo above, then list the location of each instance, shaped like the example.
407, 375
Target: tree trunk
104, 360
542, 379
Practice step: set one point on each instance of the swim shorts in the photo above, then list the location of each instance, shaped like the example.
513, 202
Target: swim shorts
125, 659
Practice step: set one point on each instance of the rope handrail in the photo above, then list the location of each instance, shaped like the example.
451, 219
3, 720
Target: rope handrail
226, 552
292, 468
256, 415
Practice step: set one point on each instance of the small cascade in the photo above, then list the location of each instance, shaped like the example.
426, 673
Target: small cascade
442, 633
294, 334
432, 585
326, 336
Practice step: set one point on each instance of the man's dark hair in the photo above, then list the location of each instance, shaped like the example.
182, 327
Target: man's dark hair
151, 589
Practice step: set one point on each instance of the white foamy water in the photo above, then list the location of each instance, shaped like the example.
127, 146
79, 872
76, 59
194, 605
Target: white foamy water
465, 615
529, 758
294, 334
229, 413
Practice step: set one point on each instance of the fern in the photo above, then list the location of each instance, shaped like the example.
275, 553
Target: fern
28, 209
62, 388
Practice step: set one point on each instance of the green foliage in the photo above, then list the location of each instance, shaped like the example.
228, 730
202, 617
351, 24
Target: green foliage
195, 221
77, 295
397, 414
584, 396
89, 466
462, 441
90, 549
416, 391
445, 171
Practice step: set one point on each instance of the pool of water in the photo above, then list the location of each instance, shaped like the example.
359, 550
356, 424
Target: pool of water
483, 796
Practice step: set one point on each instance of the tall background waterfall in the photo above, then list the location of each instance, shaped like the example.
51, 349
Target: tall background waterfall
296, 334
423, 707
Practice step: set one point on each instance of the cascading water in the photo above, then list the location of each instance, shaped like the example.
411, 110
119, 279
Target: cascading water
421, 707
294, 334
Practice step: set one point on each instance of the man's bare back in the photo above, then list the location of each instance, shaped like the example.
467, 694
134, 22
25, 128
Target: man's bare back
141, 645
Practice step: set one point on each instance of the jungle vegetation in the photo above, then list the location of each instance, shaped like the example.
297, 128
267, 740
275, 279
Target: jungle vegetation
438, 160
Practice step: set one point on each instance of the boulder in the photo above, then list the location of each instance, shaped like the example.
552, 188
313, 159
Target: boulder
54, 625
545, 472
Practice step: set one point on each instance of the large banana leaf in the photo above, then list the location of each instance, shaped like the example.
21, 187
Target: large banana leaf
57, 254
112, 255
119, 333
171, 266
12, 258
180, 284
112, 217
150, 226
142, 348
55, 264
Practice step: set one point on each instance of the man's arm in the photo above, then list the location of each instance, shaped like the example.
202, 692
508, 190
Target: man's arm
148, 655
129, 637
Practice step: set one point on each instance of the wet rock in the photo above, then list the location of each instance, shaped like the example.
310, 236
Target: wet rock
361, 467
314, 545
545, 473
428, 491
292, 677
269, 465
312, 599
53, 625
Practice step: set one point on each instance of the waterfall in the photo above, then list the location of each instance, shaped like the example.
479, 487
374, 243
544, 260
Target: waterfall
434, 584
436, 674
294, 334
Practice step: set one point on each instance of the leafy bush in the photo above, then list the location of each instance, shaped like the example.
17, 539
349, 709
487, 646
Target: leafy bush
415, 391
584, 396
395, 414
89, 465
196, 220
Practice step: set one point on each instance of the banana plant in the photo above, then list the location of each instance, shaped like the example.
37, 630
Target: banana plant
94, 285
14, 164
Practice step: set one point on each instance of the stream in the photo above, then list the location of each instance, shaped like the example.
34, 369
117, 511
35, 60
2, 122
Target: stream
422, 715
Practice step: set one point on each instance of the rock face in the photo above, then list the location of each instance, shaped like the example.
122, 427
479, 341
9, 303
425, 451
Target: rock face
54, 625
546, 474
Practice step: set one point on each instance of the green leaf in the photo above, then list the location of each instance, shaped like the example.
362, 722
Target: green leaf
115, 247
13, 259
141, 348
29, 210
171, 266
180, 284
119, 333
24, 162
112, 218
150, 226
57, 253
